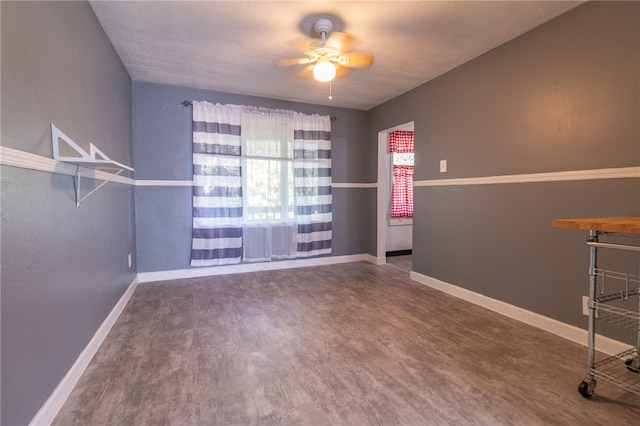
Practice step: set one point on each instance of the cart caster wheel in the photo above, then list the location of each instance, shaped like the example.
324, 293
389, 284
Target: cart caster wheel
586, 388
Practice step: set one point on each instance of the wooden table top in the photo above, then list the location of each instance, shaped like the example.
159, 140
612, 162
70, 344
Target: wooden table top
622, 224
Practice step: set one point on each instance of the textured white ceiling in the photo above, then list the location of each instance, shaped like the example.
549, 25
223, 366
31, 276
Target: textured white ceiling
231, 46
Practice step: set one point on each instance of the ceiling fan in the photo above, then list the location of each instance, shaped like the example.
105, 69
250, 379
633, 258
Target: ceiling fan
327, 57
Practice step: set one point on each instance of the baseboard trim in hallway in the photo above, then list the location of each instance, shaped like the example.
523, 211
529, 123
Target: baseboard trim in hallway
567, 331
56, 400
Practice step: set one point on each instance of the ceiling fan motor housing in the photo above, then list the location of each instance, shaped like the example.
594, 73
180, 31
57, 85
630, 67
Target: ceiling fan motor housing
323, 27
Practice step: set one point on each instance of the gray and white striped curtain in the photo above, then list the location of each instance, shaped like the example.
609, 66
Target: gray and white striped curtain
217, 184
312, 171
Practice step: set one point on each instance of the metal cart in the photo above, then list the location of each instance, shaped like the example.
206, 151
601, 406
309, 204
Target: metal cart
613, 297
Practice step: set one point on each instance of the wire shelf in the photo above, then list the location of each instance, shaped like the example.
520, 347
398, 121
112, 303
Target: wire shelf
621, 304
609, 278
622, 308
622, 370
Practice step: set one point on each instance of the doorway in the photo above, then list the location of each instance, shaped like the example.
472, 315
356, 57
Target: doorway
388, 237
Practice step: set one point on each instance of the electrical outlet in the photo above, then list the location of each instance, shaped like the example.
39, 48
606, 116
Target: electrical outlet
585, 306
130, 260
443, 166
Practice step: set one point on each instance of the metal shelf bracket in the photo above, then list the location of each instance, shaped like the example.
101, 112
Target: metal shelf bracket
94, 159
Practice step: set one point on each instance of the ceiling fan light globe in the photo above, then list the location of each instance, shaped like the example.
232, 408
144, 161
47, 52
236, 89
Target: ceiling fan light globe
324, 71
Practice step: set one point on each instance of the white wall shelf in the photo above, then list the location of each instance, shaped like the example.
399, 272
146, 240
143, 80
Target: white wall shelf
92, 160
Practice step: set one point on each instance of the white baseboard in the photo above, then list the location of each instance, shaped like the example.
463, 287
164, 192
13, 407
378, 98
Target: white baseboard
176, 274
569, 332
372, 259
56, 400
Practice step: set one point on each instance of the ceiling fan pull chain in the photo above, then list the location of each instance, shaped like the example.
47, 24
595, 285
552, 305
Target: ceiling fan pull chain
330, 96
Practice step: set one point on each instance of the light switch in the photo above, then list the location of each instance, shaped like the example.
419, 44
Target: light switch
443, 166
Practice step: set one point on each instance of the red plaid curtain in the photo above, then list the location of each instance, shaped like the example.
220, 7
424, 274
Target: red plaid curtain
401, 141
402, 190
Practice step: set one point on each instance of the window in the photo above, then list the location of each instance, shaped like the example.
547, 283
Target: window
269, 191
267, 162
401, 145
261, 184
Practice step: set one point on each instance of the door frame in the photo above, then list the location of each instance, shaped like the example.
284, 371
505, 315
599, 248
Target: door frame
384, 189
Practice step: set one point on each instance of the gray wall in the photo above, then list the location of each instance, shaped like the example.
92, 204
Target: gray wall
162, 151
63, 268
565, 96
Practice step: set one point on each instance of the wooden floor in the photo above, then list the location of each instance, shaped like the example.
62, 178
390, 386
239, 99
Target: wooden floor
343, 344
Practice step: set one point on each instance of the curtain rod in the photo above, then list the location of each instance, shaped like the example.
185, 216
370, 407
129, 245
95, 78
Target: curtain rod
189, 103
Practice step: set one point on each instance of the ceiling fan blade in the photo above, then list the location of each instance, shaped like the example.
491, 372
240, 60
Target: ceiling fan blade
294, 61
356, 59
342, 71
301, 43
306, 72
340, 41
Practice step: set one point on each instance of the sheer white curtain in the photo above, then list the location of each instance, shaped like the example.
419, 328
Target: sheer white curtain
269, 202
